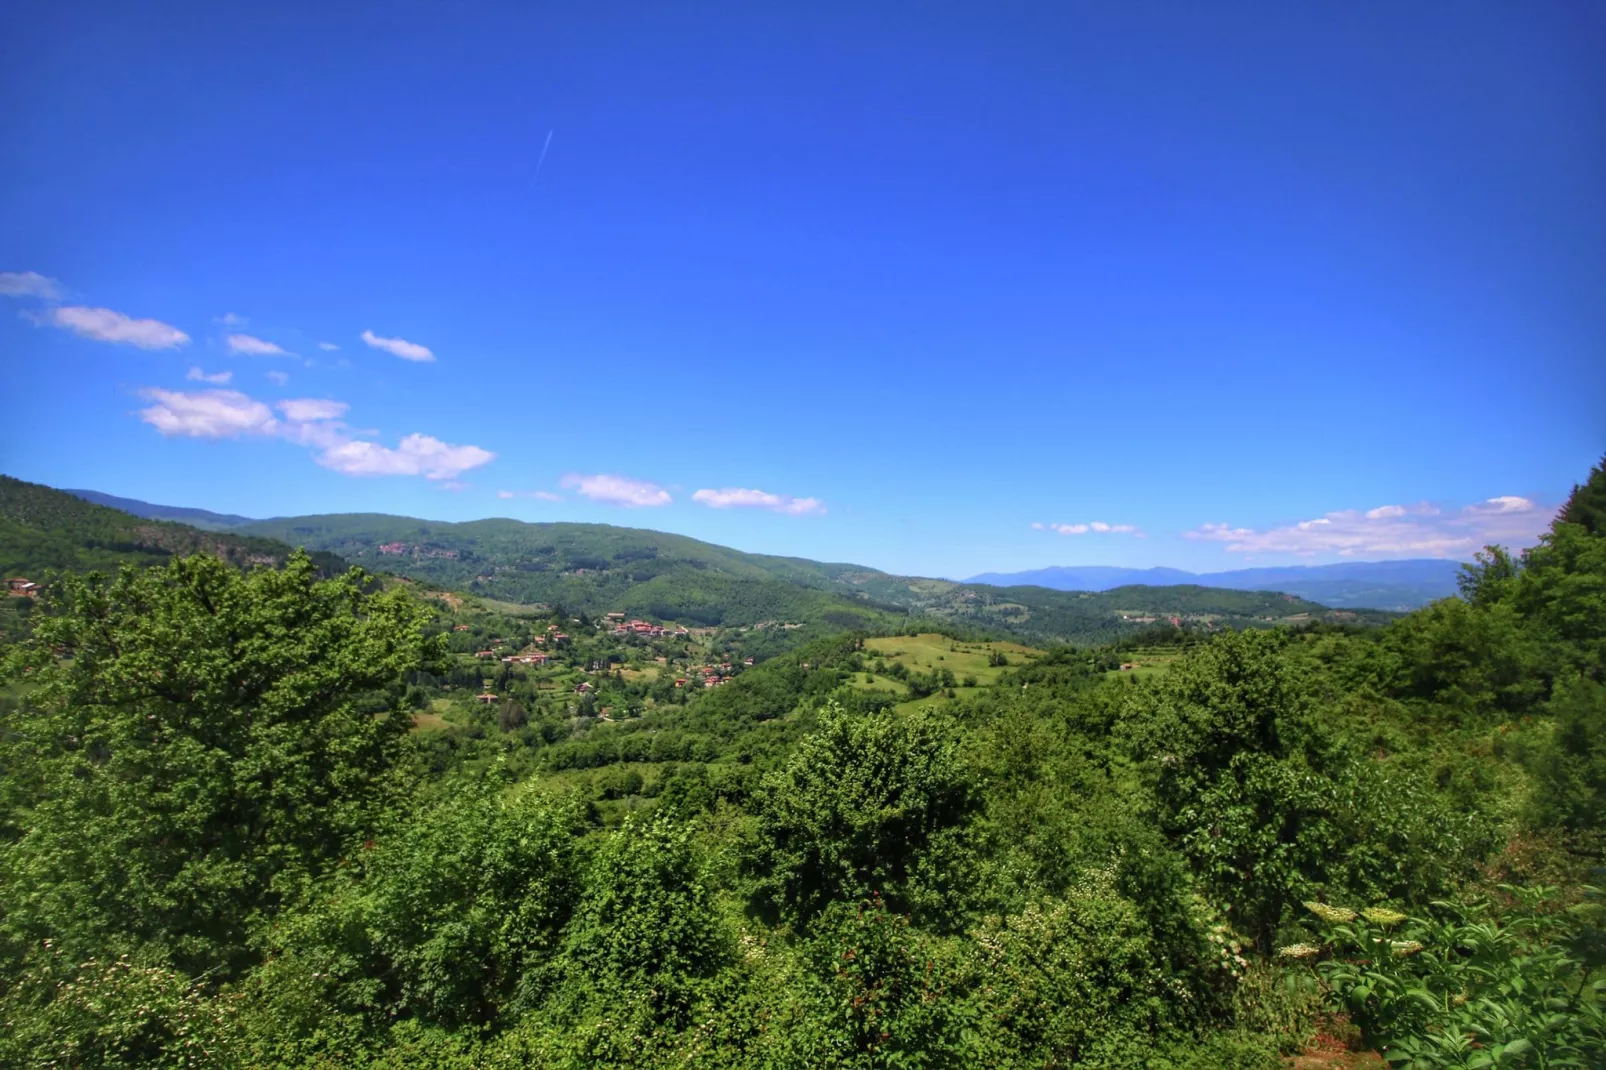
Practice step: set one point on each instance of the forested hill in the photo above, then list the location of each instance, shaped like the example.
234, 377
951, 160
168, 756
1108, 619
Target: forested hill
598, 567
43, 528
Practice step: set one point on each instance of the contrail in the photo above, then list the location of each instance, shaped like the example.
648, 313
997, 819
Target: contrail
542, 160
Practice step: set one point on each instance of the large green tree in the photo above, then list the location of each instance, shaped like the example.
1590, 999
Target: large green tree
189, 734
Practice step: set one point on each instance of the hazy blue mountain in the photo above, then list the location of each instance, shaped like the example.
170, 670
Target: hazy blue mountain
1087, 577
1394, 585
195, 518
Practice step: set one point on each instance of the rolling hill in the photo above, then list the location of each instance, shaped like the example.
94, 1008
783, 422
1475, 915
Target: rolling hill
43, 528
1391, 585
602, 568
599, 567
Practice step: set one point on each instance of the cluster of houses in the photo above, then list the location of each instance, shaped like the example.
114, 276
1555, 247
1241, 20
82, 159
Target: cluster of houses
713, 675
397, 549
622, 627
17, 587
1176, 622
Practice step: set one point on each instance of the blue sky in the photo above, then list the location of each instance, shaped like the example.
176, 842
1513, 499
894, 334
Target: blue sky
935, 290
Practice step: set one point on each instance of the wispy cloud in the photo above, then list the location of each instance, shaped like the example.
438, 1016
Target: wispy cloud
277, 377
617, 490
302, 410
328, 347
105, 325
229, 319
746, 498
314, 423
399, 347
539, 495
254, 347
29, 284
1096, 526
1420, 530
196, 375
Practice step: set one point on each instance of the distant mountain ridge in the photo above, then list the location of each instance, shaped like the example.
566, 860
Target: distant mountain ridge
1392, 585
204, 519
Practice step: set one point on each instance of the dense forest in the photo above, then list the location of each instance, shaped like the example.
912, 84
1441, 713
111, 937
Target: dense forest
271, 818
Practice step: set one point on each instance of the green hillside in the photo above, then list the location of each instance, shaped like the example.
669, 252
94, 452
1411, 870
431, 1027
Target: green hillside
42, 528
598, 567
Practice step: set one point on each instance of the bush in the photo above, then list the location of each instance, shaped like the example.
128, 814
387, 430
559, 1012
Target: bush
1472, 987
855, 807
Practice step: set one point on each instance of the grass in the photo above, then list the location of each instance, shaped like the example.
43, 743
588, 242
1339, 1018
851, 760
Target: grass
1150, 661
928, 651
428, 722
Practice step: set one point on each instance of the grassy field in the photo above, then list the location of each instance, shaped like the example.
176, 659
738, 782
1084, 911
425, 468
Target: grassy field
930, 652
1149, 661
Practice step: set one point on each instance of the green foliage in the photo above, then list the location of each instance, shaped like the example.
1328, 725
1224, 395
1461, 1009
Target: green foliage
1239, 772
115, 1012
1568, 759
855, 808
1469, 987
452, 922
1586, 506
190, 733
1074, 981
876, 990
645, 932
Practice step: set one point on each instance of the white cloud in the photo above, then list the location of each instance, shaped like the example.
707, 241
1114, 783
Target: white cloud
1097, 526
311, 422
207, 414
1392, 531
398, 347
302, 410
196, 375
618, 490
254, 347
328, 347
539, 495
29, 284
1501, 506
105, 325
229, 319
277, 377
744, 498
415, 455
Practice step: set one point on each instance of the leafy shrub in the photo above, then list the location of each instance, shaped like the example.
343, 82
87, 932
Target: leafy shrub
1470, 988
645, 932
855, 807
112, 1012
453, 920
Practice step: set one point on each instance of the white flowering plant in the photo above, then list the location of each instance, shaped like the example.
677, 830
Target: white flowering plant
1470, 986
